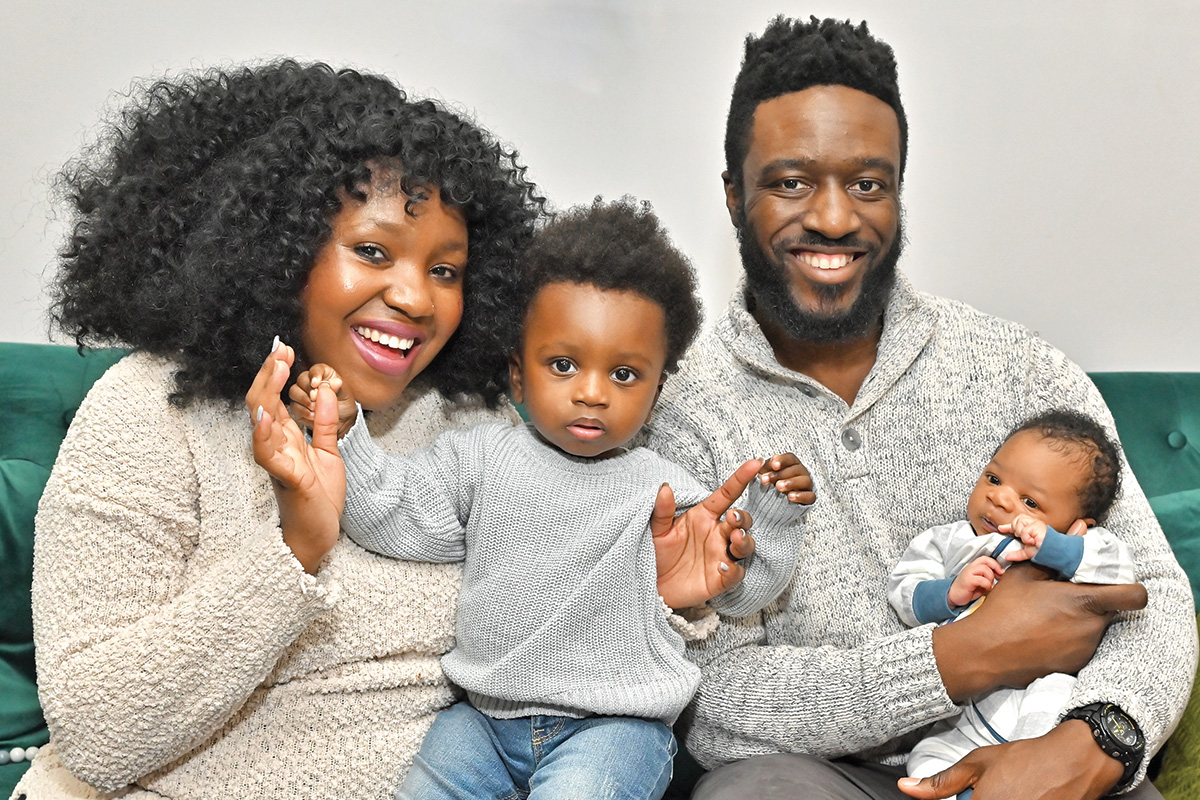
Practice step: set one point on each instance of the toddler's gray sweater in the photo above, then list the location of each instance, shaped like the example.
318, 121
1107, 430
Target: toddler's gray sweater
559, 611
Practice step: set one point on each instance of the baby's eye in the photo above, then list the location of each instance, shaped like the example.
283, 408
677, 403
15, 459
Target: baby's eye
562, 366
1030, 503
992, 479
623, 375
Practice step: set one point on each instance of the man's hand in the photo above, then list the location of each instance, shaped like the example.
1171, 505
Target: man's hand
693, 551
974, 581
1065, 764
1029, 627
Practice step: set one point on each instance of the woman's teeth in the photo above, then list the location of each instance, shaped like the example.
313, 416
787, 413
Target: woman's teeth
387, 340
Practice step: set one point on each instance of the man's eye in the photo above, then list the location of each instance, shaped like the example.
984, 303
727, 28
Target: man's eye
868, 186
563, 366
791, 184
623, 375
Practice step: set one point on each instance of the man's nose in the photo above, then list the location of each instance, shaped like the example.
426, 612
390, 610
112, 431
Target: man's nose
831, 212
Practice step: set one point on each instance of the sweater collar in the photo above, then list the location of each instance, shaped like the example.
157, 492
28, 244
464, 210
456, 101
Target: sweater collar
909, 320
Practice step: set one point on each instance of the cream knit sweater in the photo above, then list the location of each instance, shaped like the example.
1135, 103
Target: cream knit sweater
180, 645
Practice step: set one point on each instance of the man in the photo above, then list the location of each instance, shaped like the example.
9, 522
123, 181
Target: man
894, 400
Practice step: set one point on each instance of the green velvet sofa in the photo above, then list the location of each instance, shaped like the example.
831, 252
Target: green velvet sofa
1158, 416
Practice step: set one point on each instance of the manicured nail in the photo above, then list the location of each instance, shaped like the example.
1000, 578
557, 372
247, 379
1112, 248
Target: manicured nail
723, 567
275, 344
258, 415
736, 515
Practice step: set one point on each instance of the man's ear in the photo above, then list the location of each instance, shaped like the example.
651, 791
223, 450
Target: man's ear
732, 200
514, 377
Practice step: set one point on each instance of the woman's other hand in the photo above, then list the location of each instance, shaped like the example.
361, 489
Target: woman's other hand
698, 552
309, 479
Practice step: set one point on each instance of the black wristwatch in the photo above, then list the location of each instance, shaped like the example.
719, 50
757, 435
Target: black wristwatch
1117, 734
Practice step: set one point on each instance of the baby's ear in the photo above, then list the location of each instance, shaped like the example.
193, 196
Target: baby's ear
514, 377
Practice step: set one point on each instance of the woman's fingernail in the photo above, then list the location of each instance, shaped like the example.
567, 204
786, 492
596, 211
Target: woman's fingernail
258, 414
723, 567
737, 516
275, 344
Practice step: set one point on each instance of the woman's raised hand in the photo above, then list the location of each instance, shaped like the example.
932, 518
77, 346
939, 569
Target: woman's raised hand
697, 553
309, 478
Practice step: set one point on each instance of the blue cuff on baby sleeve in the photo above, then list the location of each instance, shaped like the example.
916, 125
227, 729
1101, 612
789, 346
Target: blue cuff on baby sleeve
929, 600
1060, 552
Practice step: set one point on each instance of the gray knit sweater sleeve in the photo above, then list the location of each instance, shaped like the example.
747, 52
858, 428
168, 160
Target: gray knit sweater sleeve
777, 528
413, 506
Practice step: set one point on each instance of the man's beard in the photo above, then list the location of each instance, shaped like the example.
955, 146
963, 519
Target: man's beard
769, 294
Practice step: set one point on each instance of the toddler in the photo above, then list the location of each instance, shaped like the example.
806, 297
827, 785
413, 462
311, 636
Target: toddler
1054, 475
573, 667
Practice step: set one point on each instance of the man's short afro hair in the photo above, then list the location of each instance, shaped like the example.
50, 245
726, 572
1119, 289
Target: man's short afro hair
619, 246
792, 56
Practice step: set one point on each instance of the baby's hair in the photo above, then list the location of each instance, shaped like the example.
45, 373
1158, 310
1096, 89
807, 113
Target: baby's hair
1079, 431
618, 246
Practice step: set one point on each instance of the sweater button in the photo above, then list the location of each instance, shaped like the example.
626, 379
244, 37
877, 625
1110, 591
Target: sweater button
851, 440
1176, 439
807, 390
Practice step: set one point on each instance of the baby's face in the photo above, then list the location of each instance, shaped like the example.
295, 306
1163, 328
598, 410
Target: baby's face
590, 366
1030, 475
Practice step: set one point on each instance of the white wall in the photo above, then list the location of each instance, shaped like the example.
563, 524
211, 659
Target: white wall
1054, 158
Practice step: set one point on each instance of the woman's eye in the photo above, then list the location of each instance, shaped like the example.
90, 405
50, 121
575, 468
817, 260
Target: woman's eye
1030, 502
446, 272
562, 366
623, 375
371, 252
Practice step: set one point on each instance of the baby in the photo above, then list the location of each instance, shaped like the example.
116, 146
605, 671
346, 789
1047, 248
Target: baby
573, 666
1055, 475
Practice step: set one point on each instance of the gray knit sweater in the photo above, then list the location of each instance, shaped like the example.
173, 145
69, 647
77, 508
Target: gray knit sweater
559, 611
840, 673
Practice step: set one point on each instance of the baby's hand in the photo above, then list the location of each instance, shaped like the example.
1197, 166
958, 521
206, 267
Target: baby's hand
975, 580
789, 476
1029, 532
303, 394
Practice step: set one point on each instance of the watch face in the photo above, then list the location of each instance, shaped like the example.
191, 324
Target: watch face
1120, 728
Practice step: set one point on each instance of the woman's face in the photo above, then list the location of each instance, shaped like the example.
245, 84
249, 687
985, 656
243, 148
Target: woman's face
385, 292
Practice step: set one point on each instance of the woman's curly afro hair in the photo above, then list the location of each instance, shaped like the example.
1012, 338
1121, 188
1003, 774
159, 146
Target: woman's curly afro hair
199, 213
792, 56
618, 246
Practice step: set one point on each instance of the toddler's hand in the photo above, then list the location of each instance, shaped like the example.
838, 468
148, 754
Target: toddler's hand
790, 477
303, 396
975, 580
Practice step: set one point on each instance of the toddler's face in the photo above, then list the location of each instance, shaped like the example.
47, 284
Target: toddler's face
590, 366
1033, 475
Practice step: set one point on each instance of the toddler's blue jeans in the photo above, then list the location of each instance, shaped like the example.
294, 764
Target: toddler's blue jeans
469, 755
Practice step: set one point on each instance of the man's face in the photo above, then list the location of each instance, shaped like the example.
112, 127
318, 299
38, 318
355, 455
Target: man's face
818, 211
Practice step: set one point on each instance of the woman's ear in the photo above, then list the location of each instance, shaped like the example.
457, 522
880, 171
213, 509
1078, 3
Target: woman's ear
514, 377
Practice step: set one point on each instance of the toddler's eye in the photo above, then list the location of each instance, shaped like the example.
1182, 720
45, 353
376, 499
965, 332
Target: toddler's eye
623, 375
562, 366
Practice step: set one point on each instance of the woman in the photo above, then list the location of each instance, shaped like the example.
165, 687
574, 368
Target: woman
190, 642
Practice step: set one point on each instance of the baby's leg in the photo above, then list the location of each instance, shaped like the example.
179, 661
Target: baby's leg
460, 759
602, 758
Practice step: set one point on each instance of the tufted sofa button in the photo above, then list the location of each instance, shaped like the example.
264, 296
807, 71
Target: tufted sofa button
1176, 439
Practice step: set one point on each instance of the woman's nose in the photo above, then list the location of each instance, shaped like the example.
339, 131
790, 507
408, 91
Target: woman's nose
408, 291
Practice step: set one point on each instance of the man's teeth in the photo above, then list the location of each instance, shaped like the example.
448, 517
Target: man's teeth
387, 340
824, 261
